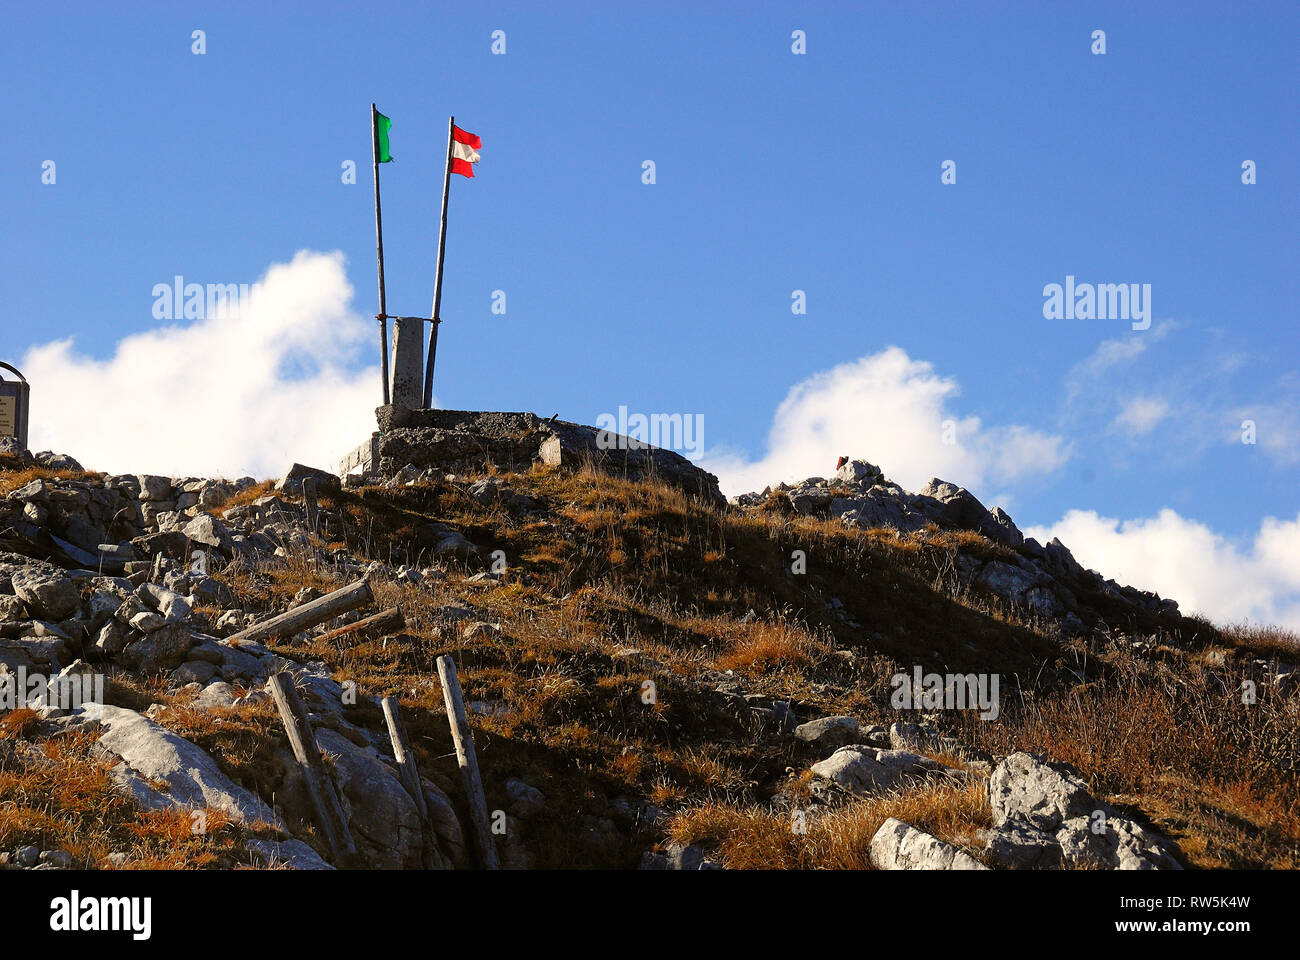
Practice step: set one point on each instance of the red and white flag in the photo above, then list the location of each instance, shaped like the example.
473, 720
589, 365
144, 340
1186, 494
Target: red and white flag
464, 151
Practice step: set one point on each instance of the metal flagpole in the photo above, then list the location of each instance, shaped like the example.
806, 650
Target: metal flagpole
379, 244
437, 283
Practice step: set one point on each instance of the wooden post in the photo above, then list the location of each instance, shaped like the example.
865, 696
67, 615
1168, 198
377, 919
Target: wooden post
406, 765
379, 244
464, 740
389, 621
309, 504
308, 614
324, 801
437, 282
409, 773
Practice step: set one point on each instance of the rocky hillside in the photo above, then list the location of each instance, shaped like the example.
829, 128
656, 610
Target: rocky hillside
832, 674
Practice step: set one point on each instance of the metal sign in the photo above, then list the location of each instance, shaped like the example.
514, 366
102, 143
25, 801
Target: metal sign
15, 402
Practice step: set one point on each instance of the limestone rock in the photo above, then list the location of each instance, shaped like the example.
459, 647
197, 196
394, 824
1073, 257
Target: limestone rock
1121, 845
286, 854
830, 732
859, 472
382, 816
898, 846
862, 770
291, 482
446, 825
914, 736
46, 591
154, 488
161, 769
210, 532
1018, 846
164, 649
525, 800
1027, 788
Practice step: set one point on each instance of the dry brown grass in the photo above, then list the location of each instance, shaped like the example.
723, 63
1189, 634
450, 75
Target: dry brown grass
1262, 640
56, 793
270, 586
1177, 741
762, 646
13, 479
246, 496
754, 838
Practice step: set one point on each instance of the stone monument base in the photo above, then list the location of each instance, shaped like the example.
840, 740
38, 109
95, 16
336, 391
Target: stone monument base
468, 440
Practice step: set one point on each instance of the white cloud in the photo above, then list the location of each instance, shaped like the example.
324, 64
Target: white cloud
1186, 560
248, 392
1140, 416
893, 411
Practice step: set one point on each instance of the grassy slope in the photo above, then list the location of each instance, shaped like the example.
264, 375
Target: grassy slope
627, 582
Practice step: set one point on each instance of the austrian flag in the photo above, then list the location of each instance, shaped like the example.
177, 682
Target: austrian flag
464, 151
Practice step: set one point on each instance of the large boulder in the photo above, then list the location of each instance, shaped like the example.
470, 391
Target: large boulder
46, 591
1020, 584
898, 846
381, 814
1115, 843
153, 488
1017, 846
173, 607
12, 447
1010, 534
811, 497
291, 482
879, 506
446, 825
161, 769
211, 532
1043, 795
859, 472
163, 649
286, 854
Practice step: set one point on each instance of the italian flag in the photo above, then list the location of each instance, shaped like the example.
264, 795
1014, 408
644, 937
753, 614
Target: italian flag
464, 151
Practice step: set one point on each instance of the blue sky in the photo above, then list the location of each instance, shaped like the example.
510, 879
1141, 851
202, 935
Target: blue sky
775, 172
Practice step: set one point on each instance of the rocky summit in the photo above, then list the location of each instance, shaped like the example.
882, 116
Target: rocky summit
1043, 579
280, 673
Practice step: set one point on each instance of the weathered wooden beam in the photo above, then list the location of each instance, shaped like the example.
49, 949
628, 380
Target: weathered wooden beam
410, 777
308, 615
320, 789
406, 765
463, 737
389, 621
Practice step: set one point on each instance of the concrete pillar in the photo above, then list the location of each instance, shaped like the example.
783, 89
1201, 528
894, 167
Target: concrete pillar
408, 362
